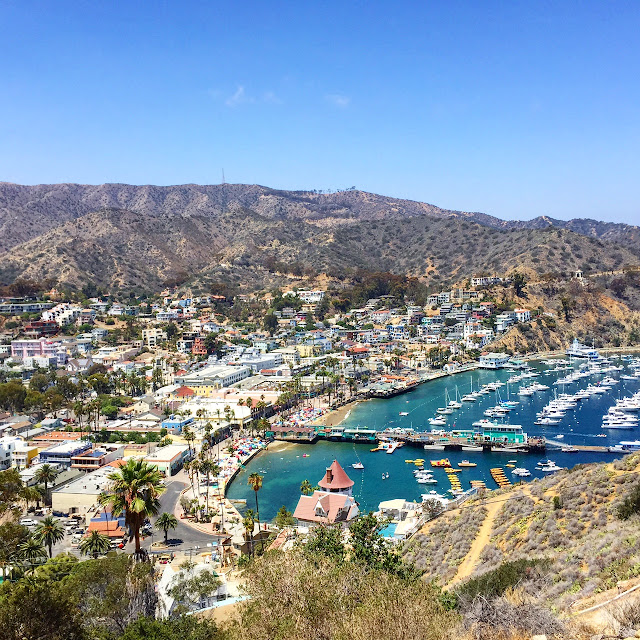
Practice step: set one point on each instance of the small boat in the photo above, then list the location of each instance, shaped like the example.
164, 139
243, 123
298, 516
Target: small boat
522, 472
305, 455
409, 461
386, 475
444, 462
357, 465
512, 461
466, 463
559, 436
404, 413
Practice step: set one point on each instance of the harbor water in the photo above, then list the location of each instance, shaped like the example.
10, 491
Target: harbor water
285, 465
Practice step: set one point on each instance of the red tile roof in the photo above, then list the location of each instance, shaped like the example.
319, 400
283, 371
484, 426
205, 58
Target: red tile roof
326, 508
184, 392
335, 478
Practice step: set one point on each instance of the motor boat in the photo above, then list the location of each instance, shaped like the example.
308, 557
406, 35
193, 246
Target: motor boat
357, 465
521, 472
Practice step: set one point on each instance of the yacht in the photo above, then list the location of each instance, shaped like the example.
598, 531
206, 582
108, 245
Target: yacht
521, 472
579, 350
548, 466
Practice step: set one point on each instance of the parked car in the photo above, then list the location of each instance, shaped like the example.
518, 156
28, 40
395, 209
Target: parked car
28, 522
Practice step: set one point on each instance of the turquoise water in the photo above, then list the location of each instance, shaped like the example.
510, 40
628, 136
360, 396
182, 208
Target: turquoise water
284, 470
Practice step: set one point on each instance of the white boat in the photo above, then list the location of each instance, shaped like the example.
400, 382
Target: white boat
357, 465
579, 350
521, 471
548, 466
404, 413
437, 422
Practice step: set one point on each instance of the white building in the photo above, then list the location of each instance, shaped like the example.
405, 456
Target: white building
169, 459
62, 314
494, 360
153, 337
204, 381
505, 320
522, 315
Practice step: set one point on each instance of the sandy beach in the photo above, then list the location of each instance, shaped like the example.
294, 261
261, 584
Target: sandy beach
335, 417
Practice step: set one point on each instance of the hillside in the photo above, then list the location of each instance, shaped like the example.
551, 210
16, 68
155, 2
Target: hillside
585, 546
123, 235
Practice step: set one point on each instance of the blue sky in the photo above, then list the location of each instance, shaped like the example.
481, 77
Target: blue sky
515, 109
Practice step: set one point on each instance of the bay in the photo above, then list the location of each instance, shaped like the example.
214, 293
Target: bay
284, 465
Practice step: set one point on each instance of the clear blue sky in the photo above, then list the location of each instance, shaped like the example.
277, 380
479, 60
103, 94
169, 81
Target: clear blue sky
513, 108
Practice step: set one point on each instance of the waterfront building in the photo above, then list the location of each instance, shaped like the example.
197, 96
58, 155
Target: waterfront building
494, 360
333, 503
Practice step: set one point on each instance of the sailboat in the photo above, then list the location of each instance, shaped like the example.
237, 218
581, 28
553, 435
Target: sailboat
446, 410
471, 396
455, 404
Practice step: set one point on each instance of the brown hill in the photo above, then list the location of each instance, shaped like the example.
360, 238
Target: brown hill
129, 235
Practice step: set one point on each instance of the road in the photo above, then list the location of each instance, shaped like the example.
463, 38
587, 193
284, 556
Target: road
183, 537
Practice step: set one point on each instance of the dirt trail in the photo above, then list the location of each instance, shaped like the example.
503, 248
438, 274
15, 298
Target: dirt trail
467, 566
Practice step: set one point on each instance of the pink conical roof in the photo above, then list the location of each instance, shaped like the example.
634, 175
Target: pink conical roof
335, 478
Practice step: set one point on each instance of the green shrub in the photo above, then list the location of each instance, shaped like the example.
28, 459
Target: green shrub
494, 583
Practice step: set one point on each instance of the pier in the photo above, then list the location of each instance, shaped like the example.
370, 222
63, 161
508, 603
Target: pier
579, 447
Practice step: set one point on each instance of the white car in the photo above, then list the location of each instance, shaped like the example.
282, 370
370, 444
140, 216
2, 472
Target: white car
28, 522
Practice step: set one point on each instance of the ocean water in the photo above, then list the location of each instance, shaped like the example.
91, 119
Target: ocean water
284, 466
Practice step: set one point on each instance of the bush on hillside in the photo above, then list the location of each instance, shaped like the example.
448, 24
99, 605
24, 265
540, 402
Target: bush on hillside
508, 575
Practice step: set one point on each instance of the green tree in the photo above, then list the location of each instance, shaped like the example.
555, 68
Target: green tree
12, 537
182, 628
188, 588
12, 395
270, 323
519, 284
255, 482
369, 547
94, 544
249, 523
284, 518
46, 475
165, 522
32, 552
325, 541
306, 488
11, 489
49, 532
134, 491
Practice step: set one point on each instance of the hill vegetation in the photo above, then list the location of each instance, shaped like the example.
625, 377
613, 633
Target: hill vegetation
142, 236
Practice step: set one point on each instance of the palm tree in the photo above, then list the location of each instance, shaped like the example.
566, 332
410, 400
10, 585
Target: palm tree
189, 436
134, 491
306, 488
32, 551
255, 481
249, 522
209, 468
94, 544
31, 494
46, 474
49, 532
165, 522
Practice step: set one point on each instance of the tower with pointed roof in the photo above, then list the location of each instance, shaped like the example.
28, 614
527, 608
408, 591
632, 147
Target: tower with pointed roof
336, 480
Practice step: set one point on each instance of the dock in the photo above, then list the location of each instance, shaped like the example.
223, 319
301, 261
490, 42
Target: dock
579, 447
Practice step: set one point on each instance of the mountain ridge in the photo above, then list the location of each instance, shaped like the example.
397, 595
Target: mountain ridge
148, 232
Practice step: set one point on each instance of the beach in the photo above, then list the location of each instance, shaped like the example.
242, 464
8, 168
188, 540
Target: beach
336, 416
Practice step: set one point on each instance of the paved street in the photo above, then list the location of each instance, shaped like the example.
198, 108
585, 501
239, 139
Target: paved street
184, 536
